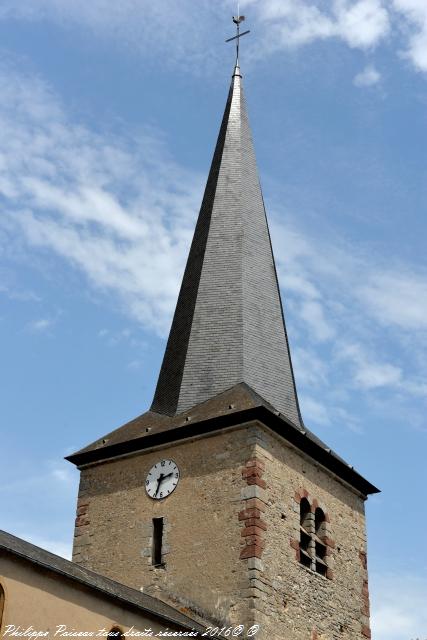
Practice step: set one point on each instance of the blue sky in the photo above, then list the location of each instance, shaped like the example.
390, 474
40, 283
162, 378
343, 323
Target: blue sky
108, 117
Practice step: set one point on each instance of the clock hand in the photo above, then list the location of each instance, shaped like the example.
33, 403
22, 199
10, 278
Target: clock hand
159, 481
166, 476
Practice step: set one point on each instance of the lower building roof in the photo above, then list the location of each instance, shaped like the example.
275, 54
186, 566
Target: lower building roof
120, 593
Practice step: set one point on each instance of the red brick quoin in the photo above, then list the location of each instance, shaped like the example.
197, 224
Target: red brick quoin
254, 526
366, 632
365, 610
82, 519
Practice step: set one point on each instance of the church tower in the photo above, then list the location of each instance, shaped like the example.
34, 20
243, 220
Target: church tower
218, 499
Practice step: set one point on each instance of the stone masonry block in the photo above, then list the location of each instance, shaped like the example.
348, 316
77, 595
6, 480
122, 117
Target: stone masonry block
255, 563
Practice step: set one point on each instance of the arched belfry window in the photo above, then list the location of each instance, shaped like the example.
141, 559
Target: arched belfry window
313, 537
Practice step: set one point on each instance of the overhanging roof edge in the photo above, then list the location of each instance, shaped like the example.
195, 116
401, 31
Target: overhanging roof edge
278, 423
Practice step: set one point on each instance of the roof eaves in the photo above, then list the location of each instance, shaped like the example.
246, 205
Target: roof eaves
302, 439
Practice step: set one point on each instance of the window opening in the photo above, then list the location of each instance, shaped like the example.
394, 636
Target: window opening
305, 537
157, 542
115, 633
320, 547
312, 546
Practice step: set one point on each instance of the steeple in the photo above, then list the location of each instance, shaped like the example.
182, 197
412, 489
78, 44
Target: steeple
227, 362
224, 415
228, 326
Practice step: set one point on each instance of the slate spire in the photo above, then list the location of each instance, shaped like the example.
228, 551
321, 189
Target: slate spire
228, 326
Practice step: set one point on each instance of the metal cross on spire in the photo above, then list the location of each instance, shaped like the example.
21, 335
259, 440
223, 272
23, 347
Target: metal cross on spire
237, 20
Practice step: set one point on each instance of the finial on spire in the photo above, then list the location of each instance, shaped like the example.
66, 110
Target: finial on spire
237, 20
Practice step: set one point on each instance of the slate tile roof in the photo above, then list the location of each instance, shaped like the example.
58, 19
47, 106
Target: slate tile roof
227, 357
228, 325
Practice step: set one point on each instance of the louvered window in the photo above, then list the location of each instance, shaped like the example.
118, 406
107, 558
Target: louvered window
312, 546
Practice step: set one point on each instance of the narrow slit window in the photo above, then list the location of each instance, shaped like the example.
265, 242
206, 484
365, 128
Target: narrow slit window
319, 526
157, 542
320, 551
305, 513
115, 633
305, 541
305, 534
319, 523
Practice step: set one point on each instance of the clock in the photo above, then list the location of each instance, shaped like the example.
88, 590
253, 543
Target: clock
162, 479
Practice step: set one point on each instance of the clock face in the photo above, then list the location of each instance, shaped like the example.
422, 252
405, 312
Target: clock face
162, 479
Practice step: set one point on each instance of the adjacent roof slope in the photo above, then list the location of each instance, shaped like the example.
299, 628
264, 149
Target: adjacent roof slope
117, 592
228, 325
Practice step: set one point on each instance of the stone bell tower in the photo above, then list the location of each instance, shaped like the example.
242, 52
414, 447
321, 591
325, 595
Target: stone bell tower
219, 499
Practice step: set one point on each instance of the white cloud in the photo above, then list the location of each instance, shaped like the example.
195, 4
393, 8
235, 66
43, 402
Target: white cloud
367, 78
312, 370
118, 337
121, 211
327, 411
370, 374
20, 295
398, 607
64, 474
134, 365
168, 32
54, 476
41, 325
414, 13
315, 271
344, 300
117, 208
314, 411
361, 24
174, 33
298, 283
416, 387
313, 315
397, 298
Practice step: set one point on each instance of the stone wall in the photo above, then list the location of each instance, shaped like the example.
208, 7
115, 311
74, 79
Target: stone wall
203, 571
232, 528
290, 597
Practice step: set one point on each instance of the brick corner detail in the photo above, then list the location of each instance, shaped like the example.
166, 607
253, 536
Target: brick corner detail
254, 527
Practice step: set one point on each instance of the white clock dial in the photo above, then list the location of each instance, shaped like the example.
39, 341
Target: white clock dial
162, 479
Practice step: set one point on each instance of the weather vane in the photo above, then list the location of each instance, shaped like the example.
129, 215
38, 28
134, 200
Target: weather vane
237, 20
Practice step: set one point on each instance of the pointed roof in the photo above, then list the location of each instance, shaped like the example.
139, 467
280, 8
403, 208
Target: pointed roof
227, 360
228, 326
